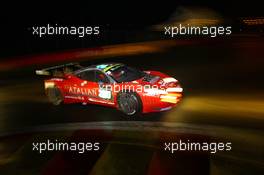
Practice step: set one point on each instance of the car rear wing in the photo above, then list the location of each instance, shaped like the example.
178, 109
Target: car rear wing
60, 70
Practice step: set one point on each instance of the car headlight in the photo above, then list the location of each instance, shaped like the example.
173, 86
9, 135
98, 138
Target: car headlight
171, 98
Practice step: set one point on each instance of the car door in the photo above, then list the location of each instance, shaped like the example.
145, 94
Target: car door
87, 86
93, 87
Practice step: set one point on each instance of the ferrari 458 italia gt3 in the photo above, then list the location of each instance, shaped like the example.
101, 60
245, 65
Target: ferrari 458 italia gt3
114, 85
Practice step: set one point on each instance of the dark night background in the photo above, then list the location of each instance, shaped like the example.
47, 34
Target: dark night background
221, 78
118, 22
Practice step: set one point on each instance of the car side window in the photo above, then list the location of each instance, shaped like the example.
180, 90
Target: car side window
100, 77
87, 75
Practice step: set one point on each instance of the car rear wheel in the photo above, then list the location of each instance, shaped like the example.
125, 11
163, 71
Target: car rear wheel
54, 95
129, 103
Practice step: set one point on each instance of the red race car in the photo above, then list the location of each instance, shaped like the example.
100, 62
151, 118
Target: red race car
114, 85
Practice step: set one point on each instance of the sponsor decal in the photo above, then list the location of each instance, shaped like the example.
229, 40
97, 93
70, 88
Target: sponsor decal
82, 91
100, 101
105, 94
75, 97
101, 66
112, 67
83, 83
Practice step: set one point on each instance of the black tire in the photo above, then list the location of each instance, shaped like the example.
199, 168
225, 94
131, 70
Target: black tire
54, 96
129, 103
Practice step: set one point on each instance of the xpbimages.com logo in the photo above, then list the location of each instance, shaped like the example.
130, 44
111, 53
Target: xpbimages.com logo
55, 145
212, 31
80, 31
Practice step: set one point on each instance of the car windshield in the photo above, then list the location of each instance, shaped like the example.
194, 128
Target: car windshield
125, 74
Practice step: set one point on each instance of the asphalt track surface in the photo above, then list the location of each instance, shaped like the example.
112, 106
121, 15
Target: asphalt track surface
223, 100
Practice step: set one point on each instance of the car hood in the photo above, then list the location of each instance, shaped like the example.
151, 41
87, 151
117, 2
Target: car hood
156, 78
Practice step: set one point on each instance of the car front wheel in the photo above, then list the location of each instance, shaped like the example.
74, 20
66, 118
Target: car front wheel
129, 103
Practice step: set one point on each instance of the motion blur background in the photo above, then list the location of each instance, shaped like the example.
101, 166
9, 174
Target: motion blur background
222, 79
